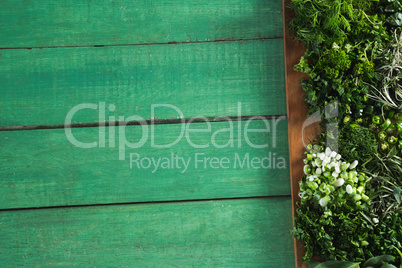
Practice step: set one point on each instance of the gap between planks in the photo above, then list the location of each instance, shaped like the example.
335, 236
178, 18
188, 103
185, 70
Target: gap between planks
149, 202
153, 43
147, 122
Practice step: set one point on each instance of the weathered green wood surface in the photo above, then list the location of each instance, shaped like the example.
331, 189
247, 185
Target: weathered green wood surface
42, 168
40, 86
230, 233
206, 58
44, 23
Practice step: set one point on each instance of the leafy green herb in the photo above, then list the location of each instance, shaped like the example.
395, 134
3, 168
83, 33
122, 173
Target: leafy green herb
338, 264
389, 89
387, 183
383, 261
356, 142
344, 214
343, 39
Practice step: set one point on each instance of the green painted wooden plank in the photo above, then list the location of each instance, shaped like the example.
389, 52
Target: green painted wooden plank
41, 168
44, 23
40, 86
230, 233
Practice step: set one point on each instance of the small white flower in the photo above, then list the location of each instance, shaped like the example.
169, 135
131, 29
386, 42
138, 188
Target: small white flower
335, 46
349, 189
328, 151
354, 164
375, 220
323, 202
339, 182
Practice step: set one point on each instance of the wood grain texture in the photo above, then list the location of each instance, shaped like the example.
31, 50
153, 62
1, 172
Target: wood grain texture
46, 23
40, 86
146, 52
299, 134
230, 233
42, 168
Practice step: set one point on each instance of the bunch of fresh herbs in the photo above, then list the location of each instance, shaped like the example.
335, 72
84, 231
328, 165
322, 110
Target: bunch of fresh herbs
353, 52
342, 39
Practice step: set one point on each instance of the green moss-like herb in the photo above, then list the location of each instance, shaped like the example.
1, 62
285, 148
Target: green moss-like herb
357, 143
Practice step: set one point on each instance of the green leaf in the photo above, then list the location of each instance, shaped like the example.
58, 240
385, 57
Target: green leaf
386, 265
338, 264
313, 264
377, 261
398, 194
